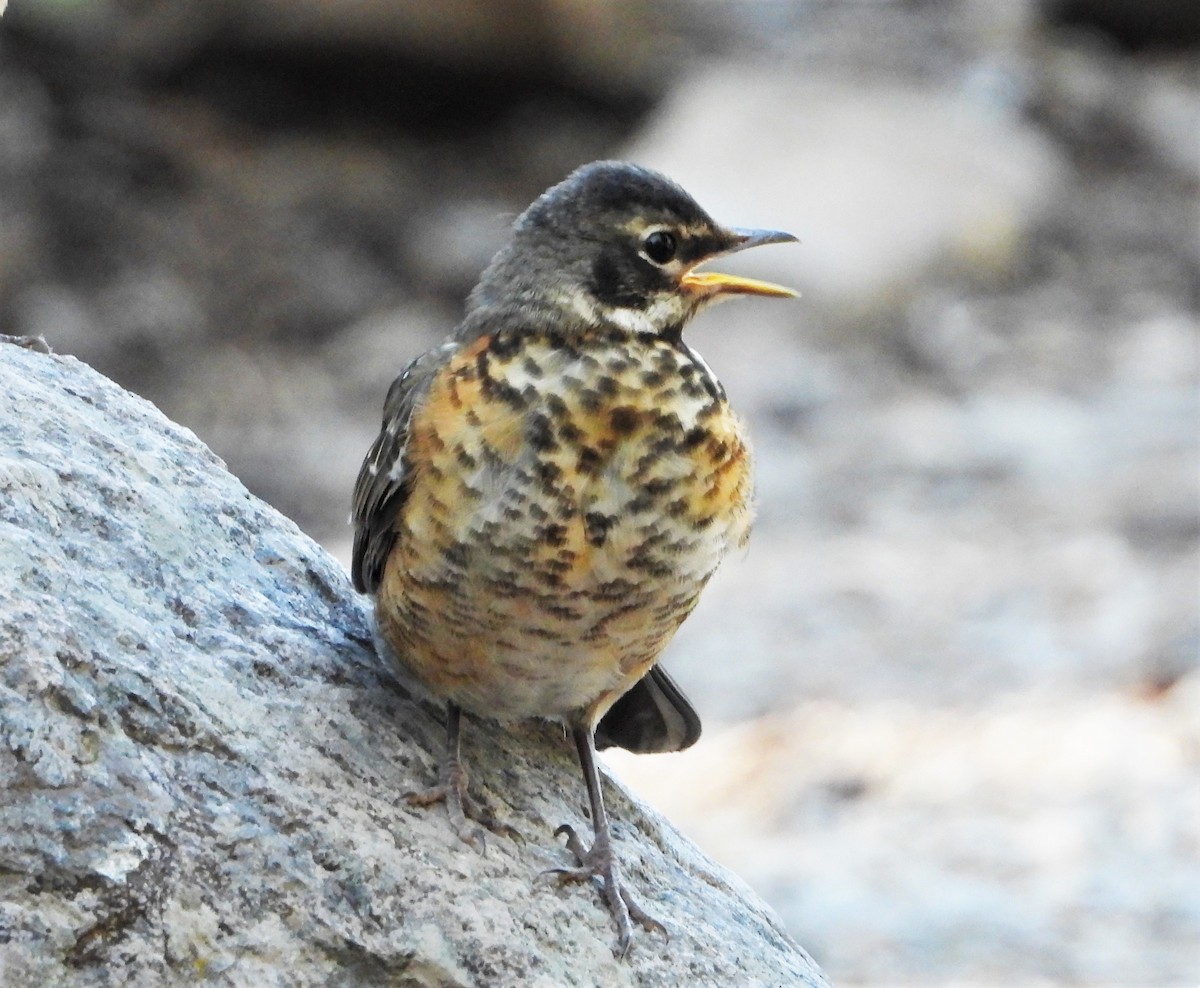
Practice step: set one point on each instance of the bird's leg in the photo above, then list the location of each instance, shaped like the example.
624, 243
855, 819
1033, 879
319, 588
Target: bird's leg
452, 790
599, 861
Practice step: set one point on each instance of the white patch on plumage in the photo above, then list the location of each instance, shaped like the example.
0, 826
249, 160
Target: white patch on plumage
702, 364
668, 309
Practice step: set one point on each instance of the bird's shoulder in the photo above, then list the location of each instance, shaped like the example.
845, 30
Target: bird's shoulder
438, 387
383, 478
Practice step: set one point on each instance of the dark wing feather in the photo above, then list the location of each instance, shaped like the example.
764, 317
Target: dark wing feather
654, 716
382, 485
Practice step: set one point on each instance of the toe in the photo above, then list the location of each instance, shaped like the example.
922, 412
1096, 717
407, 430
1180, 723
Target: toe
427, 797
644, 919
472, 836
574, 844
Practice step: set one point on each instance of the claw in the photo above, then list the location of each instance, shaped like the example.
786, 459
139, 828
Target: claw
574, 844
452, 790
459, 807
598, 861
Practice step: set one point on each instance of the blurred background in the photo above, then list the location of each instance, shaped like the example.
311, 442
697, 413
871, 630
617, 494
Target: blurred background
951, 692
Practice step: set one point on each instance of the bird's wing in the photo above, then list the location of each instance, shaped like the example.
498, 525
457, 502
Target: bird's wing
383, 479
654, 716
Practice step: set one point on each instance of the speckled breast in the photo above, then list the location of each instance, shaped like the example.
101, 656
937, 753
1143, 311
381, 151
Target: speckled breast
570, 499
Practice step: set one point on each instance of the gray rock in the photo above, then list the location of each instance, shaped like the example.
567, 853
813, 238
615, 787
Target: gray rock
203, 760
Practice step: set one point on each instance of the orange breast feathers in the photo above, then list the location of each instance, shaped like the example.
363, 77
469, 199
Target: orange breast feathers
622, 446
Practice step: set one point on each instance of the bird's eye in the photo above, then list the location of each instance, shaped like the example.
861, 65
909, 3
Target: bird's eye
659, 246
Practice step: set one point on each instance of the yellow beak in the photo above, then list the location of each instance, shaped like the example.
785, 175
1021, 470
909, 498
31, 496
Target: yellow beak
710, 284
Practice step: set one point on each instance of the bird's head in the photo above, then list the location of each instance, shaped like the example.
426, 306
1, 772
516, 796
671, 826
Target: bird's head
616, 244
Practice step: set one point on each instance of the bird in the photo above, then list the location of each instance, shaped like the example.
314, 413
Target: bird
552, 487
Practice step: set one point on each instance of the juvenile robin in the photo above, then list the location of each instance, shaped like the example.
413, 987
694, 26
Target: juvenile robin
553, 486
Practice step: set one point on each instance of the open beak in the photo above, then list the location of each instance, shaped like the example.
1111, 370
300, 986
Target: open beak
710, 284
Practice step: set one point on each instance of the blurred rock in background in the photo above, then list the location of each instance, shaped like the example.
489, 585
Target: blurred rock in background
951, 691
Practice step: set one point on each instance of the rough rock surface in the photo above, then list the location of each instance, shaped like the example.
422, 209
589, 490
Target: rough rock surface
202, 758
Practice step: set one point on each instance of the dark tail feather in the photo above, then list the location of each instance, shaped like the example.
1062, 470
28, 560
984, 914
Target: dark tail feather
654, 716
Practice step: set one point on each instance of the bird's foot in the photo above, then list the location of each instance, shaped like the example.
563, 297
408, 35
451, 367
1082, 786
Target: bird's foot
35, 343
462, 809
598, 861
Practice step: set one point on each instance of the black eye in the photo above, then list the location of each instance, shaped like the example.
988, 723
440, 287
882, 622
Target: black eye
659, 246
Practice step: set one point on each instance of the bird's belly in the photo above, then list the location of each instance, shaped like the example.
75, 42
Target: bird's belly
548, 553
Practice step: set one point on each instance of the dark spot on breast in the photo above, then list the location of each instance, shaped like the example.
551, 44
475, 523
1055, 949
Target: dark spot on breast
465, 459
561, 611
624, 419
539, 433
597, 526
505, 586
505, 392
640, 504
614, 589
505, 345
663, 445
554, 535
561, 344
530, 366
589, 461
668, 420
456, 554
659, 487
646, 564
